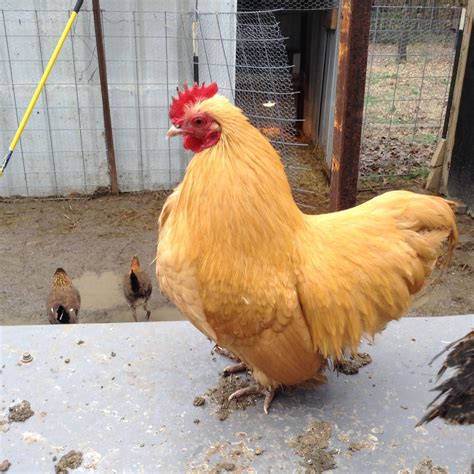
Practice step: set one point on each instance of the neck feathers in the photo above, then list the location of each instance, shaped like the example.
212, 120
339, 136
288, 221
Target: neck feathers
135, 264
237, 192
61, 279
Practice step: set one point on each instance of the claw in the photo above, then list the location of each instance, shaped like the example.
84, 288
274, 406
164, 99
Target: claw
256, 390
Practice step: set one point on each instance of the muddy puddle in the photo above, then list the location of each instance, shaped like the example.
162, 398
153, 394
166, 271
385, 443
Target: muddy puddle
102, 301
99, 290
101, 294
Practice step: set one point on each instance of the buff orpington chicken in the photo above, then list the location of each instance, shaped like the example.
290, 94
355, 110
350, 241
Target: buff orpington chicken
64, 301
281, 290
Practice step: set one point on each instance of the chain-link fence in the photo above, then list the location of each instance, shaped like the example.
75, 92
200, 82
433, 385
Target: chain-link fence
411, 55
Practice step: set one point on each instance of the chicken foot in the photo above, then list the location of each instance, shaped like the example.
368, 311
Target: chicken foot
269, 393
134, 312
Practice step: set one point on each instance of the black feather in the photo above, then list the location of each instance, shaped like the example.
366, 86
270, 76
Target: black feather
135, 283
62, 315
458, 405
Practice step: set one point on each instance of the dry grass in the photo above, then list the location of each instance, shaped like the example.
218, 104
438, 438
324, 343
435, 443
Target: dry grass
405, 105
306, 171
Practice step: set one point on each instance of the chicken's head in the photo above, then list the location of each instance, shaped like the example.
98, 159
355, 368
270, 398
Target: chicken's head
199, 129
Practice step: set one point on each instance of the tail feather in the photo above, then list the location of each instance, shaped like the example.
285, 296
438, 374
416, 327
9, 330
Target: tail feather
458, 405
432, 217
62, 315
375, 258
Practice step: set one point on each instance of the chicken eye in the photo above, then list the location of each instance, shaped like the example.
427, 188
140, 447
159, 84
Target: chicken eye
198, 121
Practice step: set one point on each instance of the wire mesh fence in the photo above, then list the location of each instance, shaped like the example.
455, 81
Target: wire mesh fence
148, 53
411, 55
62, 149
289, 5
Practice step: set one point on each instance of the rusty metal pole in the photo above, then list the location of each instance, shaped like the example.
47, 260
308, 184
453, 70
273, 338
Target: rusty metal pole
104, 89
352, 65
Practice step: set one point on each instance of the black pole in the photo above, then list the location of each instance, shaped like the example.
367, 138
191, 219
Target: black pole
78, 5
195, 43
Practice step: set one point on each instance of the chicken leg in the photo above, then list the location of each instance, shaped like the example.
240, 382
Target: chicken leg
269, 393
148, 312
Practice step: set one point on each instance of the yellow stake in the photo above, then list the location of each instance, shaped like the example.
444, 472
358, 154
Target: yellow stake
40, 86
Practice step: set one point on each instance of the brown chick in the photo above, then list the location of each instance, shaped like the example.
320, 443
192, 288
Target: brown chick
137, 288
64, 300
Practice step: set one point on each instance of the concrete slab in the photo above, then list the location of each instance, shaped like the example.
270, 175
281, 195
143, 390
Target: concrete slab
124, 398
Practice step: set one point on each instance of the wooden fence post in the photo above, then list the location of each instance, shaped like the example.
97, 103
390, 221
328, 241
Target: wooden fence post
352, 65
104, 89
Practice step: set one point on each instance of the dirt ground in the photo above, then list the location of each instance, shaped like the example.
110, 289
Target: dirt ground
94, 239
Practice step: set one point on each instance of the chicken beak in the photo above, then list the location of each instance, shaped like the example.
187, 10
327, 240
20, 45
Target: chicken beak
173, 131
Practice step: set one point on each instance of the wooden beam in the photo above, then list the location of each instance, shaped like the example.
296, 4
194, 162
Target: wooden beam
434, 178
352, 65
104, 89
454, 113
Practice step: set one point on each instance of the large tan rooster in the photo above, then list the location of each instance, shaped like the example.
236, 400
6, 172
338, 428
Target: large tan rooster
282, 290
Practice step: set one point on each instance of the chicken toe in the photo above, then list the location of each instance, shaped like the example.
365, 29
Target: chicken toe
224, 352
269, 393
232, 369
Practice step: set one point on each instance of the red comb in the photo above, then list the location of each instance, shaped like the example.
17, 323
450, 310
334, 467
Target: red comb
190, 96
